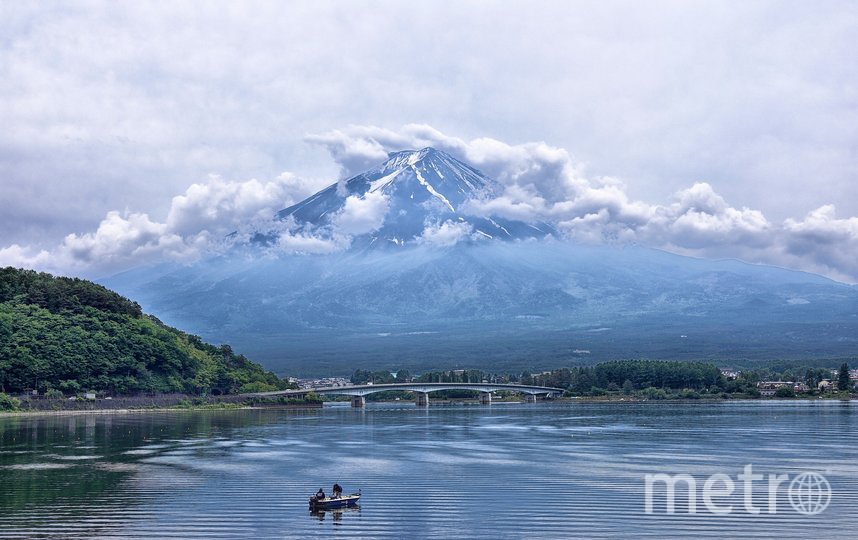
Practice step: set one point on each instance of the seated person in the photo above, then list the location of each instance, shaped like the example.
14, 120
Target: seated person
320, 494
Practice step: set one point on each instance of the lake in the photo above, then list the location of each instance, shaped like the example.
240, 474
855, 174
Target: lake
550, 470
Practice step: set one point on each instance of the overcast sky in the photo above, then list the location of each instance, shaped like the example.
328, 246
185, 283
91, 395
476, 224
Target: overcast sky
131, 131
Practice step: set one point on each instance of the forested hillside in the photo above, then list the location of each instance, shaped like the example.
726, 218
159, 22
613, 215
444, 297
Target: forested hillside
73, 335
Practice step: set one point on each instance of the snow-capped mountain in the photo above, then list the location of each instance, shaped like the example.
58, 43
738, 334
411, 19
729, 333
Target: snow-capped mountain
480, 302
420, 189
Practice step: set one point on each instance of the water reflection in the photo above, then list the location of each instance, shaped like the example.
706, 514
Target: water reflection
86, 469
336, 514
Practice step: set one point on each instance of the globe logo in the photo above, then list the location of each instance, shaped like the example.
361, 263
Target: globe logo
809, 493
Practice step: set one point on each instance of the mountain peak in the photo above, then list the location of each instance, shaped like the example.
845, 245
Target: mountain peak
425, 187
415, 155
411, 158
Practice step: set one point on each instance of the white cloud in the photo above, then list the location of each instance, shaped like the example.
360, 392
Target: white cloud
829, 243
306, 243
445, 234
118, 242
119, 237
354, 150
197, 223
361, 215
219, 206
27, 257
701, 219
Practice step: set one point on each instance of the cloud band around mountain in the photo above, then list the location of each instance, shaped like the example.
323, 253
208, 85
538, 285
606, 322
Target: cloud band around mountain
539, 182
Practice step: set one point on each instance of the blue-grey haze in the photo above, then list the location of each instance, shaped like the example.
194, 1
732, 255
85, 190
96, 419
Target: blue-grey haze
499, 306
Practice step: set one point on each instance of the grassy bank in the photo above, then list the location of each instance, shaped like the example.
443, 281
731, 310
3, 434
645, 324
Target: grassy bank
36, 404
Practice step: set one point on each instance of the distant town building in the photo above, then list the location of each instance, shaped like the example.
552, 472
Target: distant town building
325, 382
853, 375
830, 385
730, 374
768, 388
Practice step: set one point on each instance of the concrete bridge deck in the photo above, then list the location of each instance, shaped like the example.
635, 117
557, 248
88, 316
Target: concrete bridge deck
422, 391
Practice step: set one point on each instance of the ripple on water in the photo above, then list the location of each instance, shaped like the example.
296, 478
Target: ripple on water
37, 466
446, 472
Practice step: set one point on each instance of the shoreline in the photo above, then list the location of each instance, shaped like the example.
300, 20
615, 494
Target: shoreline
570, 400
627, 399
73, 412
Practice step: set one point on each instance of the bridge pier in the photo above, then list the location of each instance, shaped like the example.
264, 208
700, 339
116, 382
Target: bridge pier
421, 399
530, 398
485, 398
358, 401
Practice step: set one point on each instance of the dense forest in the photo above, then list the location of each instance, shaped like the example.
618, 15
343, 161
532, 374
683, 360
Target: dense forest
651, 379
70, 335
637, 373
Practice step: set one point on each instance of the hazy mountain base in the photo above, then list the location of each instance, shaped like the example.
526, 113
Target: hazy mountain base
499, 306
318, 353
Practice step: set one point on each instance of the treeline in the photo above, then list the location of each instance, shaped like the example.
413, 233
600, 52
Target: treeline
71, 335
632, 375
61, 294
654, 379
635, 373
363, 376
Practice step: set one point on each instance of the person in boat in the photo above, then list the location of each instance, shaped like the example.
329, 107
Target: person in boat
320, 494
338, 491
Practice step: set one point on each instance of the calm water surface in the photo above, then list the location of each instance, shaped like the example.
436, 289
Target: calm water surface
499, 471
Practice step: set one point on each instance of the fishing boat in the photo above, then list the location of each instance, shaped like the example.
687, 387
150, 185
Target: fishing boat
327, 503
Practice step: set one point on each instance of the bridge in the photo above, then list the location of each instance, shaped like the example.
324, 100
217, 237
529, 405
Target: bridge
421, 391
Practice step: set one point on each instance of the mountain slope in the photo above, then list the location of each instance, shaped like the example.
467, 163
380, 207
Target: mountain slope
72, 335
522, 305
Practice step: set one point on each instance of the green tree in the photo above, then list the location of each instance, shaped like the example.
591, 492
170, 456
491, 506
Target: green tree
9, 403
654, 393
256, 386
813, 376
784, 392
843, 377
361, 376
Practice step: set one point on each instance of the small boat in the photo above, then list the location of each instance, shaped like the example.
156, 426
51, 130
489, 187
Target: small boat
327, 503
